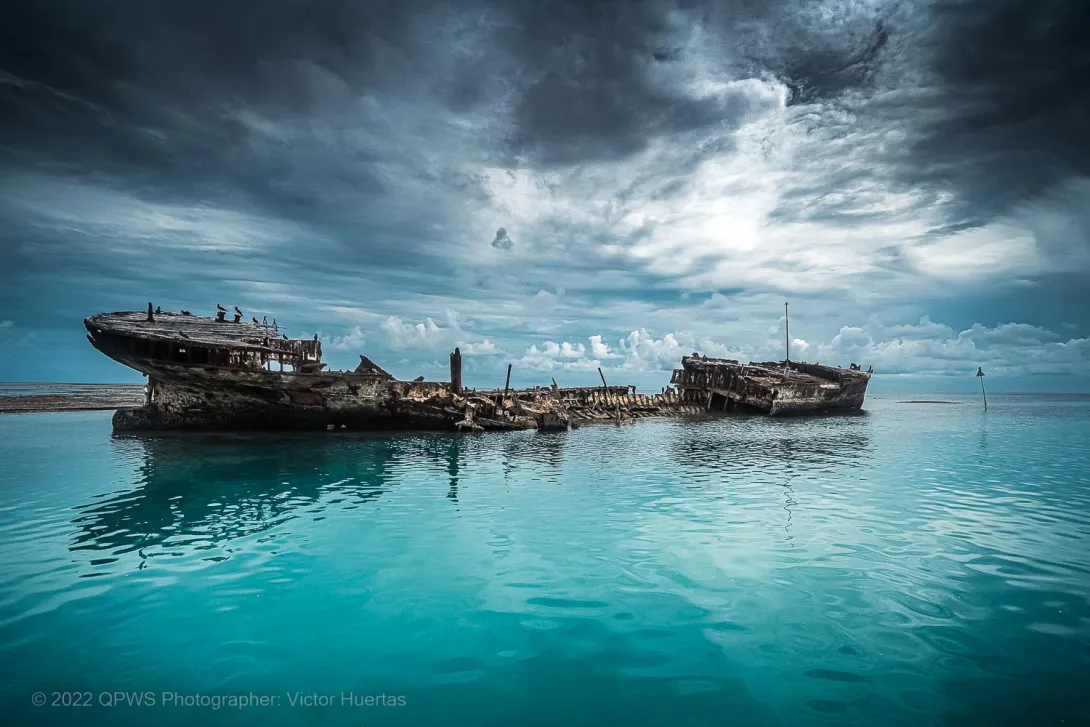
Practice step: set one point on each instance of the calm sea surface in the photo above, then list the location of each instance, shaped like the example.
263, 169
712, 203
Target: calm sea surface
918, 565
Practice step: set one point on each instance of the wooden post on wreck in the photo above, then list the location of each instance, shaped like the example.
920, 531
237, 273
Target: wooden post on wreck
606, 394
980, 375
506, 387
456, 372
151, 318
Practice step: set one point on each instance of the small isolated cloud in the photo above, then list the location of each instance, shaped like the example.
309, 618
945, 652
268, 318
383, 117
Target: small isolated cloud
429, 335
643, 352
401, 335
353, 340
639, 351
502, 241
12, 335
479, 348
926, 328
553, 356
599, 349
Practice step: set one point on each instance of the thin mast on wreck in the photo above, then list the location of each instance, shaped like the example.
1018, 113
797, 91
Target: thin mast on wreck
787, 340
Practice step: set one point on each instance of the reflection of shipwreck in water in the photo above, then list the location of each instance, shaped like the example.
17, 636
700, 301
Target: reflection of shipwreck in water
196, 491
215, 373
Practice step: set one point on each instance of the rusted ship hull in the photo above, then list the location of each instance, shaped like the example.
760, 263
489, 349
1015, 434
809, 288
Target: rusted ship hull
783, 388
213, 373
206, 397
187, 397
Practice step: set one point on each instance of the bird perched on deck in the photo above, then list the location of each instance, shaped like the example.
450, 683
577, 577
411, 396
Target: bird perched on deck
275, 329
220, 308
186, 313
158, 310
237, 310
264, 320
285, 336
418, 379
254, 319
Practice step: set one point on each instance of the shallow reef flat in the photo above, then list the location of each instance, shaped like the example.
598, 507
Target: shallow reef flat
23, 398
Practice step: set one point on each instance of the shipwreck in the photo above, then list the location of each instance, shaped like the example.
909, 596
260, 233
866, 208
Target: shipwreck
776, 388
226, 373
220, 373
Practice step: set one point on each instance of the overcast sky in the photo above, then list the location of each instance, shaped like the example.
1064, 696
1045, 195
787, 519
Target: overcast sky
558, 185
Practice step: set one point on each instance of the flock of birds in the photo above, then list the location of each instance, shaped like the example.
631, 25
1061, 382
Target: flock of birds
264, 322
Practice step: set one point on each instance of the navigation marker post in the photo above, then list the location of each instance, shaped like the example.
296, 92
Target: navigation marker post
980, 375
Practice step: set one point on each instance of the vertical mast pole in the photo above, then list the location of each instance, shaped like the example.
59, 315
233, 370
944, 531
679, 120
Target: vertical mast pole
787, 340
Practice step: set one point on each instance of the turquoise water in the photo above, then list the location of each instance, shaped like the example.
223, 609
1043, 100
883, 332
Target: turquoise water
918, 565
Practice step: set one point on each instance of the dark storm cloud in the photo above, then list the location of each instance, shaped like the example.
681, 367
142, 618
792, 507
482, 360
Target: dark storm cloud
592, 91
597, 84
502, 241
1014, 104
155, 93
985, 104
824, 70
152, 92
160, 95
248, 108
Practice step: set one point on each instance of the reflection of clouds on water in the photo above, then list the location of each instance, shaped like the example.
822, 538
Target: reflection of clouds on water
741, 459
797, 446
539, 447
982, 449
453, 452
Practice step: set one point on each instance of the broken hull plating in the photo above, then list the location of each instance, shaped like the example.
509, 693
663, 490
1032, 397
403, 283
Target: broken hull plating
190, 397
805, 389
787, 400
790, 401
183, 396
